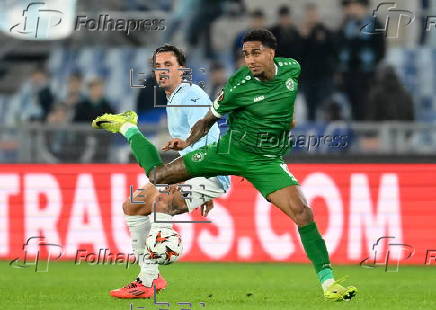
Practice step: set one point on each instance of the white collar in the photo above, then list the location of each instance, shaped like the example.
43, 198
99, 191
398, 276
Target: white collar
170, 97
277, 71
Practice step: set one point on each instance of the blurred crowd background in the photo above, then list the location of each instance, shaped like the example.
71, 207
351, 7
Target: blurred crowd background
374, 87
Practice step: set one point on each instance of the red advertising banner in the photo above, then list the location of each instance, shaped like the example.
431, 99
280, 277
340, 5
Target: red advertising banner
364, 211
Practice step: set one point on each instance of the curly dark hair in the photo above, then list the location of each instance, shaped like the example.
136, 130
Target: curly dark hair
262, 35
180, 56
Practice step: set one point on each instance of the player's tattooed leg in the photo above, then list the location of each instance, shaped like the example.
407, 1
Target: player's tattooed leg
171, 202
141, 201
171, 173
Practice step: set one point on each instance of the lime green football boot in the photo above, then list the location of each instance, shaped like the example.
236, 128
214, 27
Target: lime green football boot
337, 292
113, 122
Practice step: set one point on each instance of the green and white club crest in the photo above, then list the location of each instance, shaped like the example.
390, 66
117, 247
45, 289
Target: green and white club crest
198, 157
290, 84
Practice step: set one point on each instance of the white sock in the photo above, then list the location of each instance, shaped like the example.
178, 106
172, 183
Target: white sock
149, 271
139, 227
327, 283
126, 126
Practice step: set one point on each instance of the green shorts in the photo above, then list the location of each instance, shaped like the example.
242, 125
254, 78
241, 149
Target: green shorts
267, 174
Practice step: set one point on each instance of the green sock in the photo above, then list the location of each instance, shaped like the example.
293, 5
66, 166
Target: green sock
144, 151
316, 251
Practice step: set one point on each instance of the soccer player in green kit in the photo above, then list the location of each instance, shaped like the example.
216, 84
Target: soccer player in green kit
259, 99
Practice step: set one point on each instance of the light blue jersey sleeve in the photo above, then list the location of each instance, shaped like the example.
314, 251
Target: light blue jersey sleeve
180, 121
194, 114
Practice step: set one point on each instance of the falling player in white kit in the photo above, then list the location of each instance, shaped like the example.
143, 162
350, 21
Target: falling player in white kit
169, 62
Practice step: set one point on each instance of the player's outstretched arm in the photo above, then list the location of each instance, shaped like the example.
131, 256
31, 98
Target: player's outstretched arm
201, 128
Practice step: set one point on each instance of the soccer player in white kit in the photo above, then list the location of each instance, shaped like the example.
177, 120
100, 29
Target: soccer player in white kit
169, 62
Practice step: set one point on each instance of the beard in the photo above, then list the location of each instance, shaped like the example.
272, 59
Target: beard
260, 75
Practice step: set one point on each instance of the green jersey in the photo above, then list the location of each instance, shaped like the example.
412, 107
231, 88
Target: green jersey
260, 112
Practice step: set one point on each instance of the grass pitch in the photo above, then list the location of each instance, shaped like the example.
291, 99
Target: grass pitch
219, 285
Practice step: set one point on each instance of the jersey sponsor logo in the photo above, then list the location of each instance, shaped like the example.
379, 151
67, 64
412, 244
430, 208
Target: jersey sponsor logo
290, 84
198, 157
194, 99
258, 98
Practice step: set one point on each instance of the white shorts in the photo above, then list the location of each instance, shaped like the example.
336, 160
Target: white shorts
200, 190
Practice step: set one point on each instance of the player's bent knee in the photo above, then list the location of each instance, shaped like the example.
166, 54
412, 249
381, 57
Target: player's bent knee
130, 208
162, 203
126, 208
303, 215
171, 205
177, 209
